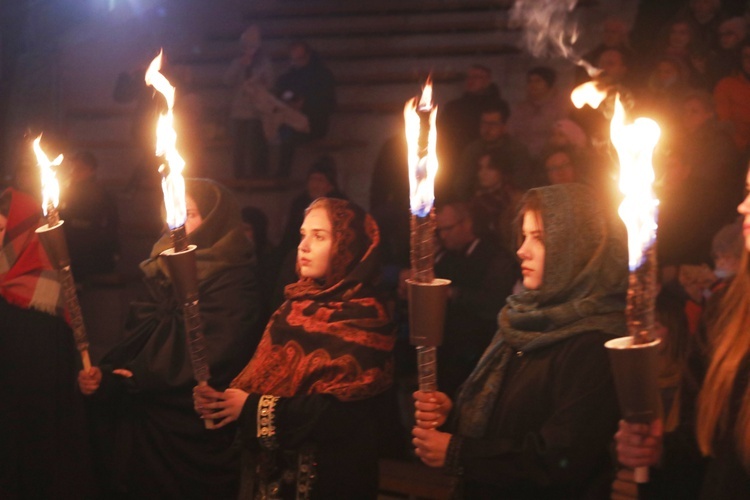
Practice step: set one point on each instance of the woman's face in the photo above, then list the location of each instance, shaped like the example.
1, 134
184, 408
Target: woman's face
194, 218
316, 243
744, 209
3, 224
487, 176
532, 251
679, 36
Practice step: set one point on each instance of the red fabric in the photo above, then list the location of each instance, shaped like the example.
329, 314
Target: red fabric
24, 265
333, 337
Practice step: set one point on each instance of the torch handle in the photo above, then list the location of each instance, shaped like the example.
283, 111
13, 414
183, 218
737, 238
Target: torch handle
74, 310
427, 368
207, 422
196, 341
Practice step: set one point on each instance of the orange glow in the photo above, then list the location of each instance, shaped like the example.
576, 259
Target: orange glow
587, 93
635, 143
50, 186
172, 184
423, 162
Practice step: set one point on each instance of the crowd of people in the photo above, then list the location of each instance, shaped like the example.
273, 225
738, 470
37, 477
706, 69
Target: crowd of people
312, 377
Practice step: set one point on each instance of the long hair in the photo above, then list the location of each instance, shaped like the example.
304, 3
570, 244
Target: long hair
730, 344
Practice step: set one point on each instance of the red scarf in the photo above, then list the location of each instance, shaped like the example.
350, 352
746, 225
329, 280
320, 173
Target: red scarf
27, 278
329, 339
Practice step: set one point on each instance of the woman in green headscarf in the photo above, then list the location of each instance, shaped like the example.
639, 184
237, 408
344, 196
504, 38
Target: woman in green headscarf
535, 417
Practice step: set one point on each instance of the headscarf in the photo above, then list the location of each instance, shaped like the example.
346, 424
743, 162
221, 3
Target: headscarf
27, 277
220, 240
331, 336
583, 290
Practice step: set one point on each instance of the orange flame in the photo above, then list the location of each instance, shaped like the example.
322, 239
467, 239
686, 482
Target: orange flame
50, 186
172, 184
635, 143
587, 93
423, 162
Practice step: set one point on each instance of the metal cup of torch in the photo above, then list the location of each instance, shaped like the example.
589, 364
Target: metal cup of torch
52, 237
427, 302
180, 260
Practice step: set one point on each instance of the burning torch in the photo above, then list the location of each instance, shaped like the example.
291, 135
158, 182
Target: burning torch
52, 238
180, 259
635, 358
427, 295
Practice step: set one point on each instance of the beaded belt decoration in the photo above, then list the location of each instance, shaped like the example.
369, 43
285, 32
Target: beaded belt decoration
265, 422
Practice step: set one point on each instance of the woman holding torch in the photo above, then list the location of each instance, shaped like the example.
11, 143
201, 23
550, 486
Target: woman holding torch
159, 448
307, 403
533, 420
717, 424
44, 451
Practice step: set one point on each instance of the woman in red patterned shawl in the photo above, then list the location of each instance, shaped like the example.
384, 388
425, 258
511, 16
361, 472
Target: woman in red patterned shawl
306, 401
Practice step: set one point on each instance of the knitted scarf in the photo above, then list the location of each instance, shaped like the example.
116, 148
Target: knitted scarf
583, 290
27, 278
331, 336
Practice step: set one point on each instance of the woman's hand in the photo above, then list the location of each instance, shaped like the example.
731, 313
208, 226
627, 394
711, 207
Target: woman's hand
431, 445
222, 407
89, 381
639, 445
432, 409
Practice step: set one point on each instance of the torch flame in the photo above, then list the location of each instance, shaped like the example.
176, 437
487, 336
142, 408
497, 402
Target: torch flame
172, 184
635, 144
50, 186
423, 163
587, 93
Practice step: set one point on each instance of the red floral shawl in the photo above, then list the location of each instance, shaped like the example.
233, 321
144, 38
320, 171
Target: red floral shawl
27, 278
333, 337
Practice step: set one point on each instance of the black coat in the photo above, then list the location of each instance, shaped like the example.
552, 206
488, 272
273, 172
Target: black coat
551, 427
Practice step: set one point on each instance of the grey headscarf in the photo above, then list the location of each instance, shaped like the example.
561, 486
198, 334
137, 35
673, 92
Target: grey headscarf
583, 290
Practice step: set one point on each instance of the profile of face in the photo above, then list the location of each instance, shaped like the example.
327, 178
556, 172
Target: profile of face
532, 250
454, 230
679, 36
194, 217
477, 80
316, 244
491, 127
559, 168
536, 87
695, 114
744, 210
487, 176
3, 225
318, 185
613, 67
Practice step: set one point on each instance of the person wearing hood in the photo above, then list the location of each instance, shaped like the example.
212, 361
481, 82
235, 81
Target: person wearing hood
534, 419
151, 443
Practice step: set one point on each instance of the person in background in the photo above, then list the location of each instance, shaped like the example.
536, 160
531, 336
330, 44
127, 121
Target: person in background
533, 420
307, 403
44, 442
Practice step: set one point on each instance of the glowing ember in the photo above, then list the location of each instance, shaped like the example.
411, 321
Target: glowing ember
50, 186
172, 184
423, 163
635, 144
587, 93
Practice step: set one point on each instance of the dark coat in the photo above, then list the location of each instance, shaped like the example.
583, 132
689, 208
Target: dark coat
551, 427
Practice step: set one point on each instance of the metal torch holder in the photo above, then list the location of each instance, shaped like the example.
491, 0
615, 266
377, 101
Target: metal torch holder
54, 244
184, 276
427, 302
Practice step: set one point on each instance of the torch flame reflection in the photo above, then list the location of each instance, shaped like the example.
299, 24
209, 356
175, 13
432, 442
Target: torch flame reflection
50, 186
635, 144
172, 184
423, 163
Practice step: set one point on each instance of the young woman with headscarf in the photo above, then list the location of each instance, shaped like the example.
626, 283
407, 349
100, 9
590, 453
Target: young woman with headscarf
44, 450
158, 447
708, 454
534, 418
307, 402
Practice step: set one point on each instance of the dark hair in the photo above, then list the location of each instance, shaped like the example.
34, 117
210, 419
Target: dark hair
499, 161
5, 197
531, 202
326, 166
259, 220
498, 106
670, 312
546, 73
